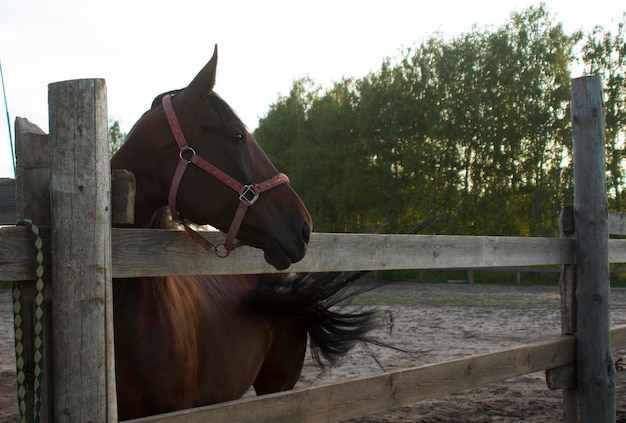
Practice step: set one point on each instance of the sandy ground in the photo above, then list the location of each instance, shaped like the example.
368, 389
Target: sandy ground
439, 322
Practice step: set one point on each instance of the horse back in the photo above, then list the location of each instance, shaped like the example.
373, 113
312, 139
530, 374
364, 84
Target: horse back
185, 341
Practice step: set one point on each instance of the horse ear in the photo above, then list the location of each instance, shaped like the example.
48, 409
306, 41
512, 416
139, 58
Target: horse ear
204, 82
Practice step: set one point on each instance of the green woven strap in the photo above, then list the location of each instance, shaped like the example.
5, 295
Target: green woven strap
18, 310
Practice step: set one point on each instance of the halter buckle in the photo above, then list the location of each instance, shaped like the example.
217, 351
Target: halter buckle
248, 195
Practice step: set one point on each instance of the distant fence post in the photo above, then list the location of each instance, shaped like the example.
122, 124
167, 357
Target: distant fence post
595, 367
567, 285
84, 378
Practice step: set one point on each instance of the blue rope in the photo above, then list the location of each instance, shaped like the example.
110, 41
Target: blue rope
6, 107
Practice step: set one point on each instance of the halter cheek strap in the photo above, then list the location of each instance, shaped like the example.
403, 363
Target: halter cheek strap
248, 194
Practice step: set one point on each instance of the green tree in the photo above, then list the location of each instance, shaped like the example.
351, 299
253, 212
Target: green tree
116, 137
281, 130
467, 126
604, 54
331, 155
477, 126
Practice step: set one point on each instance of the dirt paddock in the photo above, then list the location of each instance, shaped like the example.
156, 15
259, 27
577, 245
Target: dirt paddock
438, 323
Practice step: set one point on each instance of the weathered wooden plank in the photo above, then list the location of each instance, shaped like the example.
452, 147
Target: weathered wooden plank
161, 252
80, 198
618, 337
123, 187
344, 400
617, 251
32, 201
565, 377
32, 165
17, 257
595, 369
567, 284
169, 252
176, 254
122, 200
617, 223
7, 201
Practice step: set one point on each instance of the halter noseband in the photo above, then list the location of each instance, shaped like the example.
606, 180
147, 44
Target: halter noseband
248, 194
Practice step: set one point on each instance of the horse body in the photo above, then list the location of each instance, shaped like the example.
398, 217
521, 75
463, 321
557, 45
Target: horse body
187, 341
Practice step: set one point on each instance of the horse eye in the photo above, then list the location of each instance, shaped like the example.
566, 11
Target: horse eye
239, 137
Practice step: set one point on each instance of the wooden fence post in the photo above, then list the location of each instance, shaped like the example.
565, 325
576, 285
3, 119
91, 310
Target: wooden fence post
568, 316
84, 377
595, 367
32, 201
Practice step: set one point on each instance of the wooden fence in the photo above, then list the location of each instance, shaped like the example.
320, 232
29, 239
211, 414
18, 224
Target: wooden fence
66, 190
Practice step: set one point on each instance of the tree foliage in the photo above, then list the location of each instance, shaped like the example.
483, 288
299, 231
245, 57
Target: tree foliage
477, 127
604, 54
116, 137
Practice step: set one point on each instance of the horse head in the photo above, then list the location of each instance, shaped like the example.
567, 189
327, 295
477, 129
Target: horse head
191, 151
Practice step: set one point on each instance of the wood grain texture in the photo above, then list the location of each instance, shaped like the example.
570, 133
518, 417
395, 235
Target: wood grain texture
617, 223
595, 370
567, 285
32, 199
162, 252
122, 199
84, 373
7, 201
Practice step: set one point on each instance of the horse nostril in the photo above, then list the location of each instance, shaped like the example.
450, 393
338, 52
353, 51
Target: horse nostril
306, 232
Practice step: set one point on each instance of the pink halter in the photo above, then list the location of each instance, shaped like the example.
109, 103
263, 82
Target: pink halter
248, 194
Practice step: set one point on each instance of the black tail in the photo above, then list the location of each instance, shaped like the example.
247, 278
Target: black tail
318, 301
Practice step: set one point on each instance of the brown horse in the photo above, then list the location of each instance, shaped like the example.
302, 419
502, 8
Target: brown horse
187, 341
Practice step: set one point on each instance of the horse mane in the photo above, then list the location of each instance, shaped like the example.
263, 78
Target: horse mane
157, 100
223, 107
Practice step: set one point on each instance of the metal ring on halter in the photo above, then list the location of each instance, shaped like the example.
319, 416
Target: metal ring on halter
221, 251
249, 194
193, 153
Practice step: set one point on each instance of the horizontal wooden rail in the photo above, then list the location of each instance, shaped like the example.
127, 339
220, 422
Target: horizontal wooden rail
565, 377
355, 398
162, 252
617, 223
122, 199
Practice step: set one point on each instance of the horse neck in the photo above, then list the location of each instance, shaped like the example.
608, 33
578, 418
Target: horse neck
151, 176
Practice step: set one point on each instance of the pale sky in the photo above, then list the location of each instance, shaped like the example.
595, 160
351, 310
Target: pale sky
145, 47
